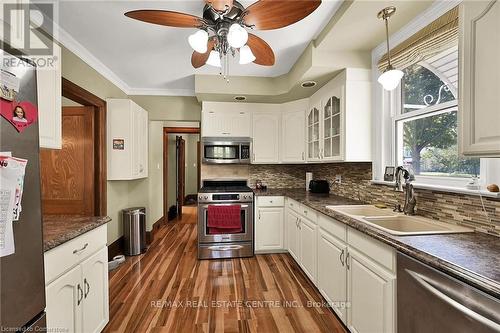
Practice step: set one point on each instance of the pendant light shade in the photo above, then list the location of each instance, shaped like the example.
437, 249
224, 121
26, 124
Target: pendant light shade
214, 59
246, 55
237, 36
198, 41
391, 77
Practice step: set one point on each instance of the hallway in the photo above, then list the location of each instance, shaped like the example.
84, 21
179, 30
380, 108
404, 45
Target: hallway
169, 290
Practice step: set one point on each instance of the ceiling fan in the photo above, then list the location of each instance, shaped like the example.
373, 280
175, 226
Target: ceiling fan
223, 28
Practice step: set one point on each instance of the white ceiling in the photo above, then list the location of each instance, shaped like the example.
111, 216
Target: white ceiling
149, 57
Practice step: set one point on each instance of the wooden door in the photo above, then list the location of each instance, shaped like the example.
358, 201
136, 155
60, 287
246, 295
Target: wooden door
67, 174
181, 172
95, 292
64, 302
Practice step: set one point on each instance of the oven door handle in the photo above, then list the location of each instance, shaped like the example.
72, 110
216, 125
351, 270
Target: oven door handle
224, 204
225, 247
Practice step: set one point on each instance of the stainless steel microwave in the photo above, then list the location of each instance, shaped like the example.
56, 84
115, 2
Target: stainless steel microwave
235, 150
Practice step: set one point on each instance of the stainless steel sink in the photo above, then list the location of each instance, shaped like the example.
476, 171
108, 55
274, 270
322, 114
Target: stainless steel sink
414, 225
396, 223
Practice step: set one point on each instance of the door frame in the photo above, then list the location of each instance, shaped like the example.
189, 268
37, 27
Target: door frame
166, 132
77, 94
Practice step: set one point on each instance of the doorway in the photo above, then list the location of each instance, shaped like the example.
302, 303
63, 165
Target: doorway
181, 169
73, 178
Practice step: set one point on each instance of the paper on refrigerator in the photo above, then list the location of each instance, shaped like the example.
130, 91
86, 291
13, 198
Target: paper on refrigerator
11, 177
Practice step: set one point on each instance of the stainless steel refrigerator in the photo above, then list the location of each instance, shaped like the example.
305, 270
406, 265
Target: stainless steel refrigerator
22, 285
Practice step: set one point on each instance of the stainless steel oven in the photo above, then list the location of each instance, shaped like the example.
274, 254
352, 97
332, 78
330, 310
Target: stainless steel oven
226, 150
230, 243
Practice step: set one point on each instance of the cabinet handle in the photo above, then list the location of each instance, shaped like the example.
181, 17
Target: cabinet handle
342, 257
259, 215
303, 156
347, 260
77, 251
305, 212
80, 294
226, 133
86, 286
300, 222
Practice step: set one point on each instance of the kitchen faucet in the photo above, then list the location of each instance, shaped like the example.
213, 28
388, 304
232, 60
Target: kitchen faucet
403, 174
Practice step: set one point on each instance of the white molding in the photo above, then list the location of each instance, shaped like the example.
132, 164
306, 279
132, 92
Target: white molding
80, 51
161, 92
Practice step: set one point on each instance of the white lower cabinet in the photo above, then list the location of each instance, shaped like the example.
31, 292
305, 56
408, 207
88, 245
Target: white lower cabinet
371, 294
332, 276
63, 307
77, 289
269, 229
307, 249
292, 234
270, 224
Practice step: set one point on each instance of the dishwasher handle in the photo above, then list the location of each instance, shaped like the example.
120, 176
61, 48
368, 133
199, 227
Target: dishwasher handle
434, 288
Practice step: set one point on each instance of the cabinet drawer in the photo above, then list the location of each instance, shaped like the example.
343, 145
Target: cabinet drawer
335, 228
60, 259
373, 249
270, 201
293, 205
309, 213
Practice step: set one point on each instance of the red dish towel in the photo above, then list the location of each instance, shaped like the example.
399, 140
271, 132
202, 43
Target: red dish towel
224, 219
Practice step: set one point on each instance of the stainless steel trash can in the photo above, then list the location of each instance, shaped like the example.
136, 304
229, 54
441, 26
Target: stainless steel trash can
134, 230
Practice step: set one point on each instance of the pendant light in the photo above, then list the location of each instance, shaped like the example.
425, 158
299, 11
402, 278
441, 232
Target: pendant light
391, 77
214, 59
237, 36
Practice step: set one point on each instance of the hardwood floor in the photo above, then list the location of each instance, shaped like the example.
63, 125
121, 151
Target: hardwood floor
169, 290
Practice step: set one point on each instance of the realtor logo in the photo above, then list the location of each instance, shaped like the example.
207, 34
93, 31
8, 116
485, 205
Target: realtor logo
28, 29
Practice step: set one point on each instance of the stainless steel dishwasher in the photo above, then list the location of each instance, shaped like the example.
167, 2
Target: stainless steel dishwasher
430, 301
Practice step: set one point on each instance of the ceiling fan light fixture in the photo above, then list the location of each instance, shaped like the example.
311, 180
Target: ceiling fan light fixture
246, 55
214, 59
198, 41
237, 36
391, 77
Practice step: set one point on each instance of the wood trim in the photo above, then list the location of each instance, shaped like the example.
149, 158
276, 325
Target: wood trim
77, 94
116, 248
166, 132
150, 235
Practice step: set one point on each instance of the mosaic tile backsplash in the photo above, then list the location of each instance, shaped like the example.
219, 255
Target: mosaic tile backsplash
447, 207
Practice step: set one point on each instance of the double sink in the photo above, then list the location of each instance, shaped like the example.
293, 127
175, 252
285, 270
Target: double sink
397, 223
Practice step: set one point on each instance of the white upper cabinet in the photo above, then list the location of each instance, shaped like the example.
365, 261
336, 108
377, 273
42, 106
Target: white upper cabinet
266, 136
127, 140
479, 72
49, 91
338, 122
225, 119
293, 139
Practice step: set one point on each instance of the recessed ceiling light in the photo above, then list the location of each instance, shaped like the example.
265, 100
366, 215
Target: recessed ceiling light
308, 84
240, 98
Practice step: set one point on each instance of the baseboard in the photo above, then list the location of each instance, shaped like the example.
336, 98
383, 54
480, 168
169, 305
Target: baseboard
150, 235
115, 248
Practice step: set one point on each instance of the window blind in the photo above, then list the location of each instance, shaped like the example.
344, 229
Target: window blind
436, 37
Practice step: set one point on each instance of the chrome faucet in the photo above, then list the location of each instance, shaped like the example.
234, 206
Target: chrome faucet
403, 174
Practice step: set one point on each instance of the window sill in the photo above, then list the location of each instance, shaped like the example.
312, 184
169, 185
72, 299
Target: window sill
441, 188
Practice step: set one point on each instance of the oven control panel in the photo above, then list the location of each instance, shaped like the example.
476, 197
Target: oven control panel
225, 197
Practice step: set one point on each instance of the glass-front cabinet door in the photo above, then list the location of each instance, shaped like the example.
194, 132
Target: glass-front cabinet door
313, 134
331, 129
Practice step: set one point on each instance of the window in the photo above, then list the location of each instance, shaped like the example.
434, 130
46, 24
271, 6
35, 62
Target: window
426, 120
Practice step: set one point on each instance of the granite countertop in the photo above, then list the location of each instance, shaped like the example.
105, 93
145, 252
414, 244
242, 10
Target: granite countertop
469, 257
60, 229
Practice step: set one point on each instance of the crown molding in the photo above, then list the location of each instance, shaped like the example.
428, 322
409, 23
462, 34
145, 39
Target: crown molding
80, 51
160, 92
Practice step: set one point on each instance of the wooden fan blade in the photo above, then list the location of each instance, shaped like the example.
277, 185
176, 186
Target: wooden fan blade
275, 14
220, 5
199, 59
263, 53
165, 17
